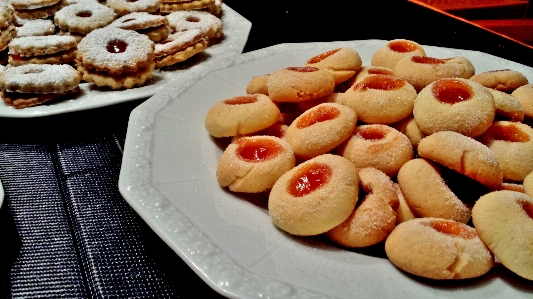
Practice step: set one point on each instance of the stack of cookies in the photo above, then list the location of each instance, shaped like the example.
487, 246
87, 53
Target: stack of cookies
7, 29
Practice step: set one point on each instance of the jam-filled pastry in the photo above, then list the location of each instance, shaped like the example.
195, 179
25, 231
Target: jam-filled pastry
33, 84
116, 58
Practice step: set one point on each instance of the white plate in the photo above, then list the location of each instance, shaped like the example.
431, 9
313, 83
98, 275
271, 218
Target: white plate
236, 29
168, 177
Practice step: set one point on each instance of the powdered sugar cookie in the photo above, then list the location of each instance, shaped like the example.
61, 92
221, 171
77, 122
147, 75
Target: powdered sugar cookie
6, 14
36, 28
6, 36
167, 6
83, 18
113, 53
42, 12
208, 24
48, 49
153, 26
33, 84
178, 47
124, 7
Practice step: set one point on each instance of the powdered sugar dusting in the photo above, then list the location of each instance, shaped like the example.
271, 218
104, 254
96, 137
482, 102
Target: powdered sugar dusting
177, 41
36, 28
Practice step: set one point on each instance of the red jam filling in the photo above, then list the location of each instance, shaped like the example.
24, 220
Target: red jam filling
375, 71
453, 228
166, 41
16, 57
257, 150
380, 82
509, 133
192, 19
402, 46
309, 178
116, 46
303, 69
84, 14
528, 207
427, 60
322, 56
450, 91
320, 114
241, 100
372, 133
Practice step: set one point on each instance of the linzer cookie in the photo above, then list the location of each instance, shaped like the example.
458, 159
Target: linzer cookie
50, 49
36, 28
6, 15
208, 24
82, 18
166, 6
178, 47
116, 58
36, 9
154, 26
124, 7
34, 84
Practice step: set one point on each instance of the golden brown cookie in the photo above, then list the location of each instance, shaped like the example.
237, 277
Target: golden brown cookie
438, 249
454, 104
503, 80
524, 94
504, 221
464, 155
178, 47
394, 50
342, 63
314, 196
296, 84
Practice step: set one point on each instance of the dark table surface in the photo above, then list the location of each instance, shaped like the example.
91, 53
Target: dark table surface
66, 231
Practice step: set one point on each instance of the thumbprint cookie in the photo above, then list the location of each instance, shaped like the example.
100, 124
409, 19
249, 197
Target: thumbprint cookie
297, 84
439, 249
314, 196
253, 164
512, 144
380, 99
321, 129
378, 146
454, 104
524, 94
241, 115
394, 50
420, 71
342, 63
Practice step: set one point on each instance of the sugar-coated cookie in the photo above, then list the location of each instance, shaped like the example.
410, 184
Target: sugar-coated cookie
524, 94
504, 221
373, 219
253, 164
321, 129
438, 249
454, 104
507, 106
342, 63
505, 80
378, 146
512, 144
464, 155
394, 50
241, 115
296, 84
315, 196
380, 99
528, 184
427, 194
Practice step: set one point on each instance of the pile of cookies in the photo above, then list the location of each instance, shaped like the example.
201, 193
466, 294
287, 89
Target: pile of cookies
418, 155
114, 44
